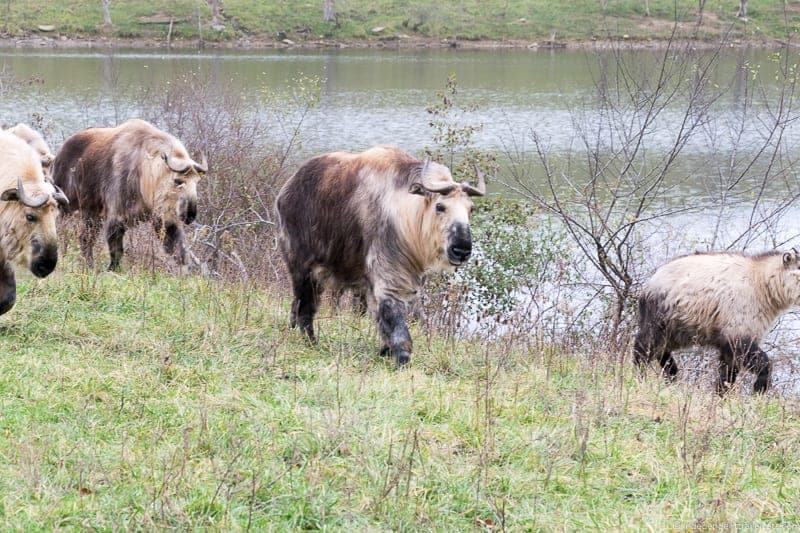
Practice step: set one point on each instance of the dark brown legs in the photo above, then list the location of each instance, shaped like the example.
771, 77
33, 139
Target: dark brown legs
8, 288
115, 235
393, 329
742, 352
307, 292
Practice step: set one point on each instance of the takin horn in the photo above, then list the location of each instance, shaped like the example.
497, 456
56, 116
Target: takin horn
480, 189
424, 186
167, 160
22, 197
59, 196
201, 168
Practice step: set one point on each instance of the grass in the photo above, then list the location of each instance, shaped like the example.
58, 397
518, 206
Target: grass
143, 400
527, 20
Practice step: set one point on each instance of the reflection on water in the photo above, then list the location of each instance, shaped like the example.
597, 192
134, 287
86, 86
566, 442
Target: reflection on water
368, 96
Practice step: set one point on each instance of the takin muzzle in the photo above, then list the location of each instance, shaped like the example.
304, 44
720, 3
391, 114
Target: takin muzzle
188, 210
459, 248
44, 258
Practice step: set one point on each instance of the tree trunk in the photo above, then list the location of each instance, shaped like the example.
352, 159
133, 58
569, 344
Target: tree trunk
742, 14
216, 12
106, 14
646, 8
329, 10
701, 7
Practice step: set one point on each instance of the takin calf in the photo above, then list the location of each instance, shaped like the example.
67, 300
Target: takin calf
128, 174
28, 210
374, 222
725, 300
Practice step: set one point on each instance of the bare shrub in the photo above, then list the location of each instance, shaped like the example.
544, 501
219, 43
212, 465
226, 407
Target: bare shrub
235, 233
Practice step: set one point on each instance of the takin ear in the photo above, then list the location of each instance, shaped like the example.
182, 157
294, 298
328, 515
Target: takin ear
10, 195
417, 188
788, 257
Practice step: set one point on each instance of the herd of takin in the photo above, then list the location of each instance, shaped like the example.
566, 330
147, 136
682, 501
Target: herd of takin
373, 222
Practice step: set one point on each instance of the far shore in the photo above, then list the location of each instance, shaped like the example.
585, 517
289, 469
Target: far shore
44, 41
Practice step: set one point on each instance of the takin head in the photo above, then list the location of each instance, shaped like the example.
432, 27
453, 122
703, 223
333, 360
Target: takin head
446, 213
170, 185
789, 277
30, 217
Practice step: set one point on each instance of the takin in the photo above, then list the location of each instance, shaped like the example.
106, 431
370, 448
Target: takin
374, 222
28, 209
724, 300
35, 140
128, 174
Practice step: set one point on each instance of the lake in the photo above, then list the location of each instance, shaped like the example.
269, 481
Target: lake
368, 96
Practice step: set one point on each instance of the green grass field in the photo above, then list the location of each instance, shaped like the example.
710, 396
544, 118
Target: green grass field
147, 401
528, 20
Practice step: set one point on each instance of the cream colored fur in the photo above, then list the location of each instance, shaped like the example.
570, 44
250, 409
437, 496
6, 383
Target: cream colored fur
421, 230
146, 143
35, 140
733, 294
18, 160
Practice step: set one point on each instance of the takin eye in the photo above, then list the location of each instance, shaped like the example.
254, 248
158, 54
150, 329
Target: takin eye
178, 182
441, 208
30, 217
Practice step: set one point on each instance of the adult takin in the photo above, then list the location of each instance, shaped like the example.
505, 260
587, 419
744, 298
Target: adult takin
375, 222
128, 174
725, 300
35, 140
28, 210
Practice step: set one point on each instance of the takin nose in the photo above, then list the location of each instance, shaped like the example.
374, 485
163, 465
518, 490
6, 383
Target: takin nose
460, 248
459, 252
190, 213
44, 260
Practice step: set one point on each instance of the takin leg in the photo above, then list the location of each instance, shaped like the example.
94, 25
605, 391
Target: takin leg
8, 288
88, 236
393, 328
655, 339
337, 292
307, 292
669, 368
115, 234
174, 242
359, 302
651, 343
757, 362
642, 351
729, 359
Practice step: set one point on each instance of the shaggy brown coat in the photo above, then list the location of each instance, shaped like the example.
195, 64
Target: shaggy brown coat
128, 174
376, 222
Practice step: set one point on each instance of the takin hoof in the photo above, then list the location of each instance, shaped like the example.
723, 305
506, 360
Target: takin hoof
669, 378
402, 357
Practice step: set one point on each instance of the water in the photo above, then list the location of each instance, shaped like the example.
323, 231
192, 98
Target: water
368, 96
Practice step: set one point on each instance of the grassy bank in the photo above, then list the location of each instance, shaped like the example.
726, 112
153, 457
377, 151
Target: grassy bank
469, 20
142, 400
